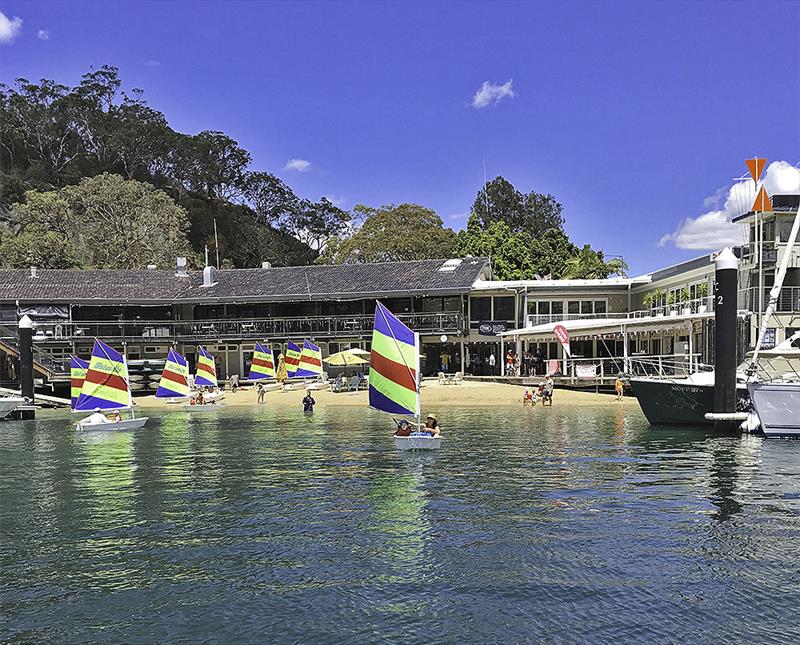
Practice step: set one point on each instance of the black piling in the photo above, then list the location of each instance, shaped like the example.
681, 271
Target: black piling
725, 310
26, 365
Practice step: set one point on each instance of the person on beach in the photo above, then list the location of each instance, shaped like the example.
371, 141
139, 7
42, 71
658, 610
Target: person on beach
444, 357
510, 363
431, 425
403, 429
619, 387
261, 392
308, 402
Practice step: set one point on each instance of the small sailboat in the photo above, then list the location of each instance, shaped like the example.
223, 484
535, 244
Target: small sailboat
310, 367
105, 388
394, 376
292, 362
206, 375
174, 383
263, 367
77, 374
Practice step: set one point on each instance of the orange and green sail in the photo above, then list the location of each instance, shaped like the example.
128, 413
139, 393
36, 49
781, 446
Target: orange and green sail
310, 360
263, 365
106, 383
174, 381
77, 373
206, 374
394, 363
292, 359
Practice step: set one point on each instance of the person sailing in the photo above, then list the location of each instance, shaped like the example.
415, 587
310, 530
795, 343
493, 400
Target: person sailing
96, 417
432, 426
403, 429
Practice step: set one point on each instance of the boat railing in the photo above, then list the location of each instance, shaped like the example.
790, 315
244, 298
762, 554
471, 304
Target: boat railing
605, 368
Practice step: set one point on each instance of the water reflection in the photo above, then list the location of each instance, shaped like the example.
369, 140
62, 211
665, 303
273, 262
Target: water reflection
546, 522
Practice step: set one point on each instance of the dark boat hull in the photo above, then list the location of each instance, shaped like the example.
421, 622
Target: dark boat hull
674, 403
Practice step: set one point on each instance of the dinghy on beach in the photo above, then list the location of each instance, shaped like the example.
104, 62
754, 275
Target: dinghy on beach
263, 368
104, 388
394, 377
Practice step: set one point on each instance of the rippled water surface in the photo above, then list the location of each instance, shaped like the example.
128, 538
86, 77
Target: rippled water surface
581, 525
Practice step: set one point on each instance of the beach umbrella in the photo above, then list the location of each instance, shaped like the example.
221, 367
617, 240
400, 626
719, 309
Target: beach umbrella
358, 351
344, 358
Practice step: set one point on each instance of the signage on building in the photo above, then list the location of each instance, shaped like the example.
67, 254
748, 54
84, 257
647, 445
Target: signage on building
492, 327
562, 335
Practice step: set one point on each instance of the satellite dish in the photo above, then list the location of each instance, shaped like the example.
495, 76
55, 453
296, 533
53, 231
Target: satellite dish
443, 338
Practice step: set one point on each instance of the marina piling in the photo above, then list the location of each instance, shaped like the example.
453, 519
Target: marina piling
725, 308
26, 364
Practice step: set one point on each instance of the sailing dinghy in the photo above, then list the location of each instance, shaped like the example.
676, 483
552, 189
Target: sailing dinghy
174, 383
206, 375
394, 376
105, 388
263, 368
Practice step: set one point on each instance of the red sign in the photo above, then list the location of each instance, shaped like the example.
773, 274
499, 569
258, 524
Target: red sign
561, 333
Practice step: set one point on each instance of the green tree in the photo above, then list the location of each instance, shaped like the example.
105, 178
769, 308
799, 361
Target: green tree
588, 264
403, 232
108, 221
533, 212
36, 247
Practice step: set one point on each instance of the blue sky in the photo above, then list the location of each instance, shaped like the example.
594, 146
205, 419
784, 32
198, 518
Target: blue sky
632, 114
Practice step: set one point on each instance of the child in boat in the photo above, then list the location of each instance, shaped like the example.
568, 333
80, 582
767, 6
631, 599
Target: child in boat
308, 402
114, 417
403, 429
431, 425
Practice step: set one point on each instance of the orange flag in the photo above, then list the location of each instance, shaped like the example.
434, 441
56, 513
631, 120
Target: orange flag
762, 202
756, 167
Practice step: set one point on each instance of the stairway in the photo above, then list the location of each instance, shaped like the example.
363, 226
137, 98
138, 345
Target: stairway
43, 363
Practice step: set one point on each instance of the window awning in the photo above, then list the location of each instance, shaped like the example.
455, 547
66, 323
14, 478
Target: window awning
589, 328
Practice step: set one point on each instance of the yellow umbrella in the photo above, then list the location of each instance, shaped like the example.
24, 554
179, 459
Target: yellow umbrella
346, 357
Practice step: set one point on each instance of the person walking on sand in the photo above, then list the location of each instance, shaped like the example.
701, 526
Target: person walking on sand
261, 392
619, 387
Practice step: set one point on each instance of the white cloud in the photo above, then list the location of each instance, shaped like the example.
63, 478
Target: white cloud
336, 201
43, 34
715, 229
151, 62
489, 92
9, 28
299, 165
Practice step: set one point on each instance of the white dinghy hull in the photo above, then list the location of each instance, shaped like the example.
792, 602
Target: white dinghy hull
418, 443
778, 407
125, 424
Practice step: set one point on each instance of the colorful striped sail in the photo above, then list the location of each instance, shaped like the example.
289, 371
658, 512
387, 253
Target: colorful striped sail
394, 364
174, 381
106, 382
310, 361
292, 359
77, 373
262, 366
206, 371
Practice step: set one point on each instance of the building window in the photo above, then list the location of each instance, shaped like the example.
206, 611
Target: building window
557, 308
574, 307
504, 308
480, 308
587, 307
543, 308
599, 306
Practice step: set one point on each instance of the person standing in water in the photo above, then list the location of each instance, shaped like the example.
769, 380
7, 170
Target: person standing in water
261, 392
308, 402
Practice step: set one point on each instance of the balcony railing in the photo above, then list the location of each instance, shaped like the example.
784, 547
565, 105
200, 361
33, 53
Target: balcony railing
239, 329
788, 300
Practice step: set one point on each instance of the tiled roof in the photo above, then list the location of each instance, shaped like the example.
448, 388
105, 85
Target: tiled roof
415, 277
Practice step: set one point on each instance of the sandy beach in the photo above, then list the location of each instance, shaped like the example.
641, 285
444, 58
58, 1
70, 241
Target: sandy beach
434, 396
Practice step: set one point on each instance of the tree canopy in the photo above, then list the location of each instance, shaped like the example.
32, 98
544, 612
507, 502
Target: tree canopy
523, 235
403, 232
105, 221
53, 136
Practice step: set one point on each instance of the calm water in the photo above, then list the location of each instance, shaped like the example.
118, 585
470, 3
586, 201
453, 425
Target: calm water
555, 525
